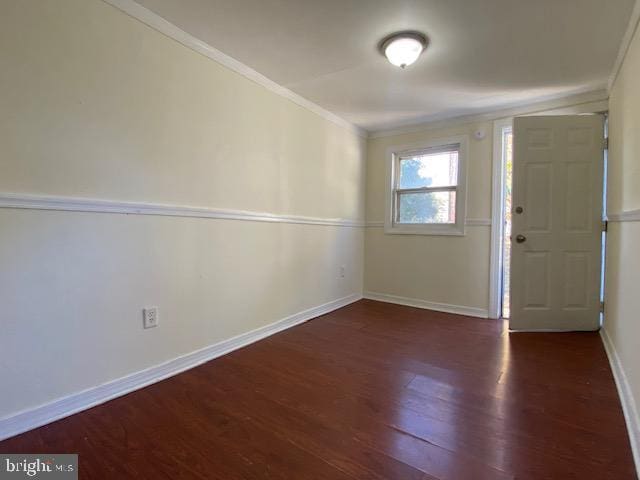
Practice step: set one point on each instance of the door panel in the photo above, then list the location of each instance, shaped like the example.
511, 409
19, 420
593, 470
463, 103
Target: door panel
578, 197
576, 275
557, 180
538, 196
538, 268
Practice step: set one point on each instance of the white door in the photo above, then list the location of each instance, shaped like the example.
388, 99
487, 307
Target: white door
558, 169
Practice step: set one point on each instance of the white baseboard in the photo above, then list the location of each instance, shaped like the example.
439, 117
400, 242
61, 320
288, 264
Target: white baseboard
439, 307
629, 406
76, 402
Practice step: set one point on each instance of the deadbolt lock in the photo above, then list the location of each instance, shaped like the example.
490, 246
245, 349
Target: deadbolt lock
519, 209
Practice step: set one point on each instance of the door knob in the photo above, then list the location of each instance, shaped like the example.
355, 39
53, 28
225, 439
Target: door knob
521, 239
519, 209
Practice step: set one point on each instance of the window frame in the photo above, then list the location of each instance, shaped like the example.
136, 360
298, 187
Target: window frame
394, 154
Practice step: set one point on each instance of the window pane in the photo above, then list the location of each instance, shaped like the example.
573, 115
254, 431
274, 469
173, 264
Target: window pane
432, 207
429, 170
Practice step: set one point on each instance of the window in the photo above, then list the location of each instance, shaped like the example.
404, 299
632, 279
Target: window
427, 194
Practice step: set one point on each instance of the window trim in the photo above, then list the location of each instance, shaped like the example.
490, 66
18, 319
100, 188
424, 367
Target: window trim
393, 160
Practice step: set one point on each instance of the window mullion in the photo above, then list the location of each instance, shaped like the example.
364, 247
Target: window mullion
452, 188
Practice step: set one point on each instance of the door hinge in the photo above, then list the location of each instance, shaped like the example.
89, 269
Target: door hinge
605, 225
601, 307
605, 143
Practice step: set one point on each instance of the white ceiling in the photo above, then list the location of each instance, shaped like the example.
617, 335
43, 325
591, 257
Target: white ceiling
484, 54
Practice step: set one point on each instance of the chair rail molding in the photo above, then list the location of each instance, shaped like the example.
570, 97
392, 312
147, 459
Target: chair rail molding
78, 204
624, 216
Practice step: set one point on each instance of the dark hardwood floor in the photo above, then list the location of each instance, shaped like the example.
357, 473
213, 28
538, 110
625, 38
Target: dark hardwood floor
371, 391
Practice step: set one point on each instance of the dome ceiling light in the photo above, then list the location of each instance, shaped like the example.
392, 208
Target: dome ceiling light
403, 48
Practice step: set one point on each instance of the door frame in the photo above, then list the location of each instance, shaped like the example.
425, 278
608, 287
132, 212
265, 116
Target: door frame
497, 196
497, 218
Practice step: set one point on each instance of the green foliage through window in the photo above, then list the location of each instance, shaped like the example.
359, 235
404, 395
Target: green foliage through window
425, 172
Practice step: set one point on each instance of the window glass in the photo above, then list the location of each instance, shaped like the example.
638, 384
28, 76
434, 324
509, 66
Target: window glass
429, 170
427, 207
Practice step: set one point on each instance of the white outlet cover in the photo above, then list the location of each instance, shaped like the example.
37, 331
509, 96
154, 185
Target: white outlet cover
150, 317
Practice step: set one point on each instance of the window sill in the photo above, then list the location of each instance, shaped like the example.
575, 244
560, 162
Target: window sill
445, 230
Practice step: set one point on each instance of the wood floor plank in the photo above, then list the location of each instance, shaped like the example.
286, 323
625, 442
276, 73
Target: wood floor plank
371, 391
415, 420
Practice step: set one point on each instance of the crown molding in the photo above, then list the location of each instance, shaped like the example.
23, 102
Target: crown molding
158, 23
632, 27
76, 204
155, 21
593, 101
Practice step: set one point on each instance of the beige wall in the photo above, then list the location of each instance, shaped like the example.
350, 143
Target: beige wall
96, 104
436, 269
622, 311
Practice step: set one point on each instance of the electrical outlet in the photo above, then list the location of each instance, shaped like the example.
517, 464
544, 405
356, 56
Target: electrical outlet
342, 270
150, 317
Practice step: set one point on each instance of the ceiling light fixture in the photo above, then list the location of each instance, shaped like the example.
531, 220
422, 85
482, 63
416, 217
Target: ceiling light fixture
403, 48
